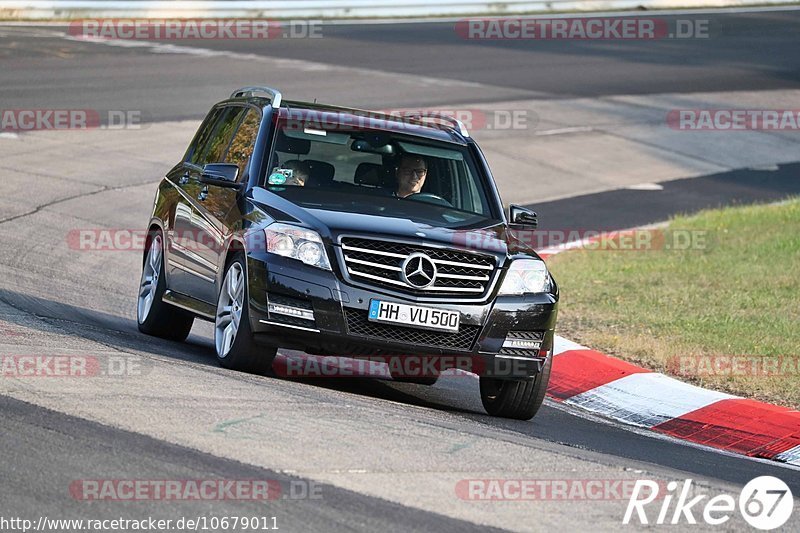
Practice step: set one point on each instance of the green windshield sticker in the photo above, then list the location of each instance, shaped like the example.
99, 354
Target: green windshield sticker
279, 177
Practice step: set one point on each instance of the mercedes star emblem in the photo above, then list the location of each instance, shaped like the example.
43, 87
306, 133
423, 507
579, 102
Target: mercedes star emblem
419, 271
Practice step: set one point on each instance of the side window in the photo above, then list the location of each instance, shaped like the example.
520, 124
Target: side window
216, 136
244, 142
218, 145
200, 142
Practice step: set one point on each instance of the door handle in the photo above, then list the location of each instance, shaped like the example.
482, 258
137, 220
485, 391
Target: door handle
183, 180
203, 194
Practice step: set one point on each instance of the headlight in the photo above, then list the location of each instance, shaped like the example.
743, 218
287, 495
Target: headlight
298, 243
526, 276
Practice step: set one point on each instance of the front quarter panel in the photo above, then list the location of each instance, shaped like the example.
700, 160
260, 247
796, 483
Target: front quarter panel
163, 212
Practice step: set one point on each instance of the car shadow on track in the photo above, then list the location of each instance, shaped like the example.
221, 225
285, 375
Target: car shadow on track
456, 397
121, 333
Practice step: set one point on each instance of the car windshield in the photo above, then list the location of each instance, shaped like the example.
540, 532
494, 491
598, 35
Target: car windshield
378, 172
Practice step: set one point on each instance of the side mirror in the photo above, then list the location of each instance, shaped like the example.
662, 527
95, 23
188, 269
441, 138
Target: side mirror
221, 175
522, 216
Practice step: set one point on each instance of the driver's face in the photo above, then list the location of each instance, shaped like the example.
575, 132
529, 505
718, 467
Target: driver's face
411, 174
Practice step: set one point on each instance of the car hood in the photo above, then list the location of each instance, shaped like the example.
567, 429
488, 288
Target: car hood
487, 237
490, 236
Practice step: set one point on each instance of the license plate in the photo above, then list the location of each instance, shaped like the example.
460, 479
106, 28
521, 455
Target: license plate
413, 316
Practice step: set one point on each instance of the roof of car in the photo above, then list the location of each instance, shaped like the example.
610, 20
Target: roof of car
343, 118
427, 124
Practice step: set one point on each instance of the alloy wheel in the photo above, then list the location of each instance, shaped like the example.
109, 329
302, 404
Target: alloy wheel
149, 282
229, 310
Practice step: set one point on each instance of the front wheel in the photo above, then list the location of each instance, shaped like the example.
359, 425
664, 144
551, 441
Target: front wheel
233, 336
515, 399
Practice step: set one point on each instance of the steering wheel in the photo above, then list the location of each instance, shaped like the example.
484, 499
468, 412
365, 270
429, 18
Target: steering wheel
429, 198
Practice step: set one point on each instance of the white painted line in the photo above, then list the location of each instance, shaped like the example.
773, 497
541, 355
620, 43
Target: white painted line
646, 432
765, 168
646, 187
790, 456
293, 64
9, 135
563, 131
646, 399
566, 246
582, 243
561, 345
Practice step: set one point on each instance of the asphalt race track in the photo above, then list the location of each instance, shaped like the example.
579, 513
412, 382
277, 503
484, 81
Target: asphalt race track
744, 52
383, 455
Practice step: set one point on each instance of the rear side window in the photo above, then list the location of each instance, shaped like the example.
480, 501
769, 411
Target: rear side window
215, 136
200, 143
241, 147
223, 133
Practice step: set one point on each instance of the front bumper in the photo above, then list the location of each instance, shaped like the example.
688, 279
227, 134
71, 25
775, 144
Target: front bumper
340, 326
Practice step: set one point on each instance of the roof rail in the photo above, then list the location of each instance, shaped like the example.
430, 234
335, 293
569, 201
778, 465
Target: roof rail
451, 121
274, 95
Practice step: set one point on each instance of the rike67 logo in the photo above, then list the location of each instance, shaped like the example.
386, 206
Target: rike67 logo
765, 503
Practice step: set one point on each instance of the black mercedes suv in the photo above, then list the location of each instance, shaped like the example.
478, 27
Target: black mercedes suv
353, 233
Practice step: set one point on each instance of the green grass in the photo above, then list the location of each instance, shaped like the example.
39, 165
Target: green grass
736, 295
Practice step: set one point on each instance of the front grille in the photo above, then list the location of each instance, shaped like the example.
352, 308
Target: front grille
381, 263
357, 324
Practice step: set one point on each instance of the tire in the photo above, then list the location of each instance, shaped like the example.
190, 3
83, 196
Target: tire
233, 336
520, 400
153, 315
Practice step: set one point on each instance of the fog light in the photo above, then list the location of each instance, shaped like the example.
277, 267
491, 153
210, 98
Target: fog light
522, 344
287, 310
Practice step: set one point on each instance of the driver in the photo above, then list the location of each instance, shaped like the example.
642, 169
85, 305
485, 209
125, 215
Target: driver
410, 173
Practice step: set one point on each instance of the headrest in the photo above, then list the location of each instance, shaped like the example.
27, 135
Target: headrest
368, 174
320, 173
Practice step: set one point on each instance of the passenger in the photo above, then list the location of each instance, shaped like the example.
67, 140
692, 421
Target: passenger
410, 174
